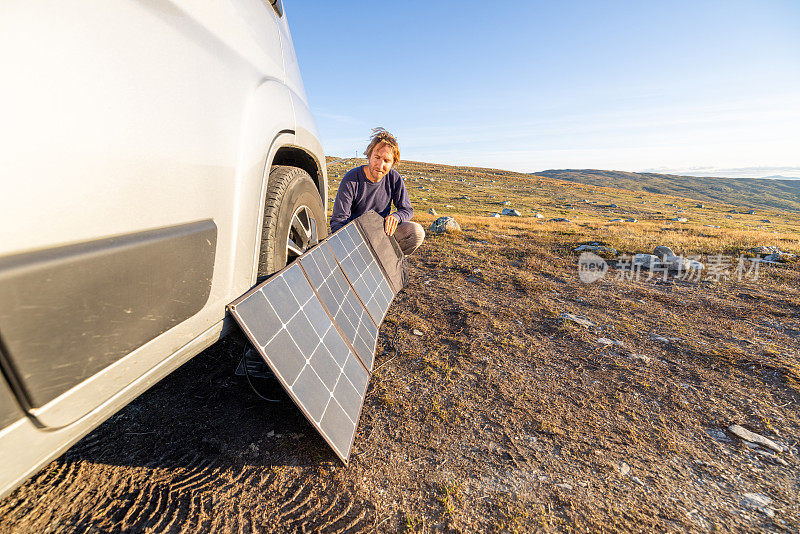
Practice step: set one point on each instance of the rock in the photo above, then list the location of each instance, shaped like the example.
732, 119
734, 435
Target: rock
660, 339
694, 264
605, 341
646, 260
711, 226
463, 198
641, 357
758, 501
749, 212
538, 215
612, 205
564, 486
663, 251
679, 263
771, 457
638, 480
586, 323
631, 220
699, 206
432, 212
449, 206
559, 219
444, 224
511, 212
624, 469
505, 203
765, 221
416, 332
680, 219
780, 256
764, 250
752, 437
616, 220
495, 214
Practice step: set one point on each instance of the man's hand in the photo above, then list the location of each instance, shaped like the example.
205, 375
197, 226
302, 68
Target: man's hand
390, 224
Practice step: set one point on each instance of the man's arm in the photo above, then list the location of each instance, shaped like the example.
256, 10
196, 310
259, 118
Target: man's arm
343, 205
401, 201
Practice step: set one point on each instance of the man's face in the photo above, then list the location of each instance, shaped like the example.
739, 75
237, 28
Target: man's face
380, 161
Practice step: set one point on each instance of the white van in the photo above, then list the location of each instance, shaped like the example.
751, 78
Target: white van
156, 158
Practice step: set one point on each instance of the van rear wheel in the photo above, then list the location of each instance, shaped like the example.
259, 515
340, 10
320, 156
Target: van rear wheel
294, 219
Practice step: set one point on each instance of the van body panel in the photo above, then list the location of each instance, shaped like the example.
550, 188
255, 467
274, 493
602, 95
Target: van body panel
121, 118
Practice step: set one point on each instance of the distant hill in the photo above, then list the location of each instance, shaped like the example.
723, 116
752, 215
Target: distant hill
744, 192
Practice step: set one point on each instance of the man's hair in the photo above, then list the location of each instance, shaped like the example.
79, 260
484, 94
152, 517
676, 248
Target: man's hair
381, 137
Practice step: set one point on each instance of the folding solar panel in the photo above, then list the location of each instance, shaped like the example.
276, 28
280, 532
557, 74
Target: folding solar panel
316, 323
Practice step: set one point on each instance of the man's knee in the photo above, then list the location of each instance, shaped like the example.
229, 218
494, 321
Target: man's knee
410, 236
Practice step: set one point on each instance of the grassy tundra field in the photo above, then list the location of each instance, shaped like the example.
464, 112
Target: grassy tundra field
490, 410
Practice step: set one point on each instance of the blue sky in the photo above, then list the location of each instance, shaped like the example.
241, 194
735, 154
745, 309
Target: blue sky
666, 86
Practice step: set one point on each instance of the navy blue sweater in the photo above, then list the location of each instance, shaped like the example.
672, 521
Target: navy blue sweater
358, 195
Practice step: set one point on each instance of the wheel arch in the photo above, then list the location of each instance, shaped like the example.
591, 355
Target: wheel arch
295, 156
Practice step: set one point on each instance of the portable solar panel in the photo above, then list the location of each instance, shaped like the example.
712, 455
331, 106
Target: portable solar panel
315, 323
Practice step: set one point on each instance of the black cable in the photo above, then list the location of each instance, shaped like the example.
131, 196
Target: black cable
250, 383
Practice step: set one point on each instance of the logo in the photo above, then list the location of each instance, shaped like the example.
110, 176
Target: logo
591, 267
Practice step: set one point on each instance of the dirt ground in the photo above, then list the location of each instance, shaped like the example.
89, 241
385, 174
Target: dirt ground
498, 414
501, 416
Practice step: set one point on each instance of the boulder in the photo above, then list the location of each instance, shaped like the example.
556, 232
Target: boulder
444, 224
662, 251
764, 250
646, 260
510, 211
679, 263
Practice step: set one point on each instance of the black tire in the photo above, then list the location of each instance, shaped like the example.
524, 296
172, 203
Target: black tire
294, 219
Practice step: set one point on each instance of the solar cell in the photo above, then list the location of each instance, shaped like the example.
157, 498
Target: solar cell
292, 331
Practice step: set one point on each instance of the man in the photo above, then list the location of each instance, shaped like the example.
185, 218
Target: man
376, 186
